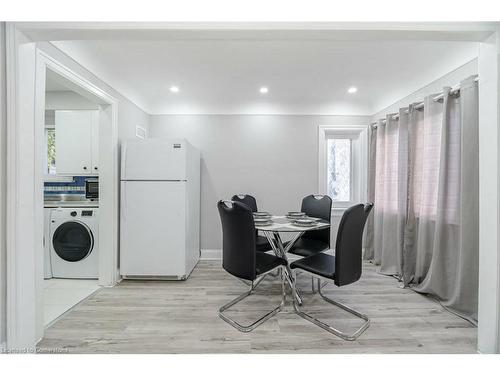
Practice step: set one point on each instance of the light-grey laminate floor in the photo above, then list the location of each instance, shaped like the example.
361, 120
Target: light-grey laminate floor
181, 317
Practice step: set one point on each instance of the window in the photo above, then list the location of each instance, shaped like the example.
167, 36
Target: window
339, 169
50, 141
343, 164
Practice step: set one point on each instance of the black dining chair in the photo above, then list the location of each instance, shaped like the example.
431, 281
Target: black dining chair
343, 269
241, 259
315, 241
260, 241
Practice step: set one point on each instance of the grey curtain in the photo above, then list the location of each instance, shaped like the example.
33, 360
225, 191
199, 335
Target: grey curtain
368, 254
450, 232
424, 160
390, 194
426, 198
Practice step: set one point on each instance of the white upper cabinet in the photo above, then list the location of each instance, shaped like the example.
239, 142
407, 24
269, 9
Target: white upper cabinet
77, 142
95, 144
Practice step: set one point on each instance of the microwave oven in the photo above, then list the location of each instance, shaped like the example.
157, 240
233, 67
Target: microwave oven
92, 188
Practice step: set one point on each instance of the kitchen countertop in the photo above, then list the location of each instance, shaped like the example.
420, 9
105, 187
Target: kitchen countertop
75, 204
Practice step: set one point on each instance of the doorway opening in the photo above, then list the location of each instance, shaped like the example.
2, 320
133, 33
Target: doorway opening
76, 190
70, 198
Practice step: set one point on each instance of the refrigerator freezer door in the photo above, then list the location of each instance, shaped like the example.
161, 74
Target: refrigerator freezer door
153, 159
152, 231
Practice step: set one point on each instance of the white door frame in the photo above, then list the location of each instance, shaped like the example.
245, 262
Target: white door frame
24, 233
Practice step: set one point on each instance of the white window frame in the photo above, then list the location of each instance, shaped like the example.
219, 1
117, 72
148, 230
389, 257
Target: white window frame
359, 161
46, 175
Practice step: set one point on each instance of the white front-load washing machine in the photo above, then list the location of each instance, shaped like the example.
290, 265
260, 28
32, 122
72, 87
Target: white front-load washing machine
74, 243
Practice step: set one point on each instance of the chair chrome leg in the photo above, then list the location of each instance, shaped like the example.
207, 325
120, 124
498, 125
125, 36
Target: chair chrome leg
259, 321
247, 283
326, 327
257, 282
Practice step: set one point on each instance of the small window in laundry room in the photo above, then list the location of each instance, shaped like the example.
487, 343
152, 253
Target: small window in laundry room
50, 136
50, 142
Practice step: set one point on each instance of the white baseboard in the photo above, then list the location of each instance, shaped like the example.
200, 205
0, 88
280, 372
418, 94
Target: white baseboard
211, 254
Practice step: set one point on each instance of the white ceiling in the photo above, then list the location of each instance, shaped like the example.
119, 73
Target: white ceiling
53, 82
304, 76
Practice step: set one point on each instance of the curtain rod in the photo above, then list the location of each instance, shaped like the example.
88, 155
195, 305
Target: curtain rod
419, 105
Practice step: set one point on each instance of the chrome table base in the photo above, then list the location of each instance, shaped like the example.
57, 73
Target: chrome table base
280, 250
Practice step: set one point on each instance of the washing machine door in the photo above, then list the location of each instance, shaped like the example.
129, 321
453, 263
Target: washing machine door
73, 241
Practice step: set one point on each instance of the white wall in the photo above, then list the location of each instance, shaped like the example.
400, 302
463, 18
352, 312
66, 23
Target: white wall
129, 114
450, 79
3, 125
67, 100
274, 158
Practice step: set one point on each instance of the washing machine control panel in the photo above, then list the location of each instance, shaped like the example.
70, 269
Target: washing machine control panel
87, 213
73, 213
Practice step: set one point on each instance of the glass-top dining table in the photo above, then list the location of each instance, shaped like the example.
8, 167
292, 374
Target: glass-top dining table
283, 224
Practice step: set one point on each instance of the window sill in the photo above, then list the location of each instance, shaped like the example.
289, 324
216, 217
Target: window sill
338, 211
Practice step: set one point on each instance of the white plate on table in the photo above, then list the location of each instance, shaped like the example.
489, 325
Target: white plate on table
315, 219
262, 215
306, 222
295, 215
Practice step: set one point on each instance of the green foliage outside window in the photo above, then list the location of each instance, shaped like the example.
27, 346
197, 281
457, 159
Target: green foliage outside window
51, 150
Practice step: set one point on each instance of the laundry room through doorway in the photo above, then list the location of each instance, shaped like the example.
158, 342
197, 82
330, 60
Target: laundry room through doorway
71, 198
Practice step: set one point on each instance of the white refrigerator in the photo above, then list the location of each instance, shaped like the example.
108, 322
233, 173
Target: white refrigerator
160, 209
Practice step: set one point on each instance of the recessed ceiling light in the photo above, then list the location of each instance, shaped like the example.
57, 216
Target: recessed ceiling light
264, 90
352, 90
174, 89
